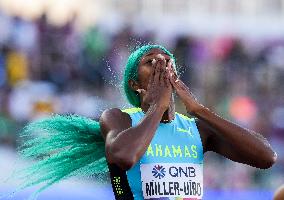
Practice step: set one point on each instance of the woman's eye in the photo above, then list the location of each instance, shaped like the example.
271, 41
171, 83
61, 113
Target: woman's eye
149, 61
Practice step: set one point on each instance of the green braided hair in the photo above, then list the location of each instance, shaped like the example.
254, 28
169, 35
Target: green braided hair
62, 146
131, 70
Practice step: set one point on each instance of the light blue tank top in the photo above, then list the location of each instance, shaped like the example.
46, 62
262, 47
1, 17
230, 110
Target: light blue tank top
172, 166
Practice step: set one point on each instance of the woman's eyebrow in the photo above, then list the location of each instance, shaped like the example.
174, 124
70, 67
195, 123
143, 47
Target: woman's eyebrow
150, 54
146, 57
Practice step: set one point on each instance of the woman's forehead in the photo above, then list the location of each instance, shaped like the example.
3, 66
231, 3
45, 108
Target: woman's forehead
154, 52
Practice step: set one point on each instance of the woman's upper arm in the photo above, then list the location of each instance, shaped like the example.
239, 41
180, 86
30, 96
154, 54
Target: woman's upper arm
205, 133
112, 122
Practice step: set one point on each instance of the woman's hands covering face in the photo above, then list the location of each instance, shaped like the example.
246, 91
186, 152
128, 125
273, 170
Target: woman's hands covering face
159, 89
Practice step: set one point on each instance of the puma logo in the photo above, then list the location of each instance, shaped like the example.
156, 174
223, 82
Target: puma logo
185, 131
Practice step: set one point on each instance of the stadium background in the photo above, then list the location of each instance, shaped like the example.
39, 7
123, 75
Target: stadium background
68, 56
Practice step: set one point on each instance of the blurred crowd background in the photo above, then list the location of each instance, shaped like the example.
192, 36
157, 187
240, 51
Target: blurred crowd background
68, 57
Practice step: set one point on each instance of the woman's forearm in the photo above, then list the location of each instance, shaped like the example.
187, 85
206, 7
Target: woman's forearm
140, 137
245, 141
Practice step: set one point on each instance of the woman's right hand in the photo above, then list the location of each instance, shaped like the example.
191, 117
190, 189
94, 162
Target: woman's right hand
126, 144
159, 89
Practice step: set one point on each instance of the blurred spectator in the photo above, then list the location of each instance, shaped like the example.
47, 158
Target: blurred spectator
17, 67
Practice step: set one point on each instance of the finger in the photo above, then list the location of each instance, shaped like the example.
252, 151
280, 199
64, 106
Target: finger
160, 56
154, 61
167, 74
175, 82
172, 67
161, 65
151, 79
162, 61
172, 81
173, 76
169, 67
161, 73
167, 79
157, 72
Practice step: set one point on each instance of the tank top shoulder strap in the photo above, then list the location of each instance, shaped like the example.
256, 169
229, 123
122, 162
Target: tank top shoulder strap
188, 120
185, 117
135, 113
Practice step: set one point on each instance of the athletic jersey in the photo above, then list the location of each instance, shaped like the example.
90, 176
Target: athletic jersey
170, 169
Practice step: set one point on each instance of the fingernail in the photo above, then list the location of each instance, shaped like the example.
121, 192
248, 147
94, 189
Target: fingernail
176, 80
160, 56
154, 61
167, 68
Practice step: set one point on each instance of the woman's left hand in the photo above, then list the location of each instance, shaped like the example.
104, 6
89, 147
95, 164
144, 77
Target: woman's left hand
190, 102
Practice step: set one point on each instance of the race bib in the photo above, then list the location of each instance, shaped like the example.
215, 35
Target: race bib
172, 180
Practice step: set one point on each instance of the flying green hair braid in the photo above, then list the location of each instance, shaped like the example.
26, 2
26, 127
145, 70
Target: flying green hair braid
131, 70
61, 146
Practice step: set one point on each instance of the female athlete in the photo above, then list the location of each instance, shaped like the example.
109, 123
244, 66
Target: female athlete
150, 151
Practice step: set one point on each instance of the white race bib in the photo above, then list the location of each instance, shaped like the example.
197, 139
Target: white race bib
172, 180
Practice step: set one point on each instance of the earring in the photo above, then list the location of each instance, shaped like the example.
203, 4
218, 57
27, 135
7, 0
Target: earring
139, 91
